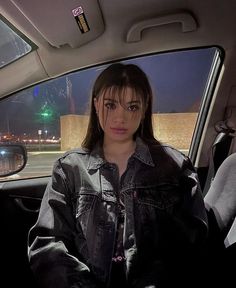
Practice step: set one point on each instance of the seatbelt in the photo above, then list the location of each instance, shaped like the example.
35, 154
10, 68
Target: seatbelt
231, 236
219, 151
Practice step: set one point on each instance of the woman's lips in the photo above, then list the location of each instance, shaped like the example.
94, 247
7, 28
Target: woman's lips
119, 130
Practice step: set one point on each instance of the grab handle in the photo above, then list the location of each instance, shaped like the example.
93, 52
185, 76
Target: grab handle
187, 21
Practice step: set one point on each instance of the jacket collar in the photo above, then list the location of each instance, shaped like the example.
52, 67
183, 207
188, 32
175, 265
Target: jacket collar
142, 152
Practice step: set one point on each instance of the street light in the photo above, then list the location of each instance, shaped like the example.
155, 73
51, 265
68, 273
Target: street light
39, 133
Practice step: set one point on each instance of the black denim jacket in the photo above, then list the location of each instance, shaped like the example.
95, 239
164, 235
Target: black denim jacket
72, 243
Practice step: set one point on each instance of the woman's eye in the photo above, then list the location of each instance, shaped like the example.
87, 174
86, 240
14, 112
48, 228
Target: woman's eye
133, 108
110, 105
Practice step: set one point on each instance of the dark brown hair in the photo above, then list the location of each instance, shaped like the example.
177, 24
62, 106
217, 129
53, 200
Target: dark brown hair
117, 77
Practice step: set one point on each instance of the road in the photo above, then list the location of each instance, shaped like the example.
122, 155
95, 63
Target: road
39, 164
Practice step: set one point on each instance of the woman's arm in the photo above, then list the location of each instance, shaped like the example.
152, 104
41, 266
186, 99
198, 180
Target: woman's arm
52, 252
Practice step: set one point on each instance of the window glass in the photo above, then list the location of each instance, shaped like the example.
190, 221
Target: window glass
51, 118
12, 45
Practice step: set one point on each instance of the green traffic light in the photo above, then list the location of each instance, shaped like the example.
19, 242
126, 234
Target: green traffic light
45, 114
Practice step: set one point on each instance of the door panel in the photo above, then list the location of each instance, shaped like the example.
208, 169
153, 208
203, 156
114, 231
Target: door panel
19, 206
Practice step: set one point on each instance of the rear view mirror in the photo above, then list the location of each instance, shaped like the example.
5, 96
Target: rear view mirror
13, 158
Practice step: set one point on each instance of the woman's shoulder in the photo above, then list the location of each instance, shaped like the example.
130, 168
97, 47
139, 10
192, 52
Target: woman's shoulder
73, 155
79, 151
164, 151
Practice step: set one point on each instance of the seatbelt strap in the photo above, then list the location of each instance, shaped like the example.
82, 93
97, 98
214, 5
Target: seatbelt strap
211, 169
231, 236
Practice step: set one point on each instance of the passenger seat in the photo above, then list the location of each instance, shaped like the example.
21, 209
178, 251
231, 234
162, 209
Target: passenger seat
220, 202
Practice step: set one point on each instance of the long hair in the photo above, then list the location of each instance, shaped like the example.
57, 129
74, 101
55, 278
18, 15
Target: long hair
117, 77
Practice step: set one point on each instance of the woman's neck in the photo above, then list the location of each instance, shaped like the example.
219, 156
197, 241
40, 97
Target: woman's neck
117, 149
119, 153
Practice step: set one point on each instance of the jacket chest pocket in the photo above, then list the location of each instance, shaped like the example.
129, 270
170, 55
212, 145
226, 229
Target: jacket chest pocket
162, 196
94, 209
85, 202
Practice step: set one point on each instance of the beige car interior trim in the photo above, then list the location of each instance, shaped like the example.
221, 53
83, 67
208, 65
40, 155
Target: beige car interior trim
187, 21
64, 22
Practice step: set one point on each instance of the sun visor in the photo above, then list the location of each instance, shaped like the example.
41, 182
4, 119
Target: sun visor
64, 22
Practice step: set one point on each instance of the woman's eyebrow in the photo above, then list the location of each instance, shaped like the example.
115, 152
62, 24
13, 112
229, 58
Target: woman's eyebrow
127, 103
134, 101
110, 99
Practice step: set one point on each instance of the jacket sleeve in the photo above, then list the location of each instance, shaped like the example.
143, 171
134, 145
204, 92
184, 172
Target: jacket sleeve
52, 252
193, 207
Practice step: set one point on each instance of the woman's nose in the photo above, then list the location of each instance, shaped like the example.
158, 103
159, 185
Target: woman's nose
120, 114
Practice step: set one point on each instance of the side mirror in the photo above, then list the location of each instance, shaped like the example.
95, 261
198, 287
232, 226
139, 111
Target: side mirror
13, 158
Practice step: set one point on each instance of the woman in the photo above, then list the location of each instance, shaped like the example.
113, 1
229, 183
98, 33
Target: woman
125, 210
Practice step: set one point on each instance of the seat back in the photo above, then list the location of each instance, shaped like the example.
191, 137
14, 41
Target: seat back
221, 197
220, 202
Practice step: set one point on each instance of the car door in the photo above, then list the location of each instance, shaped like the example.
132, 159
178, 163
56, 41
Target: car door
19, 206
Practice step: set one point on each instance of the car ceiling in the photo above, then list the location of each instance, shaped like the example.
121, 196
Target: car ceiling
113, 24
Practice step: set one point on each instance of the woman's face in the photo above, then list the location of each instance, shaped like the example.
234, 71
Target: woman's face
119, 117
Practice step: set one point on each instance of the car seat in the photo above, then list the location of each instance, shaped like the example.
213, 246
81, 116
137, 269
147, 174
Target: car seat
221, 197
220, 202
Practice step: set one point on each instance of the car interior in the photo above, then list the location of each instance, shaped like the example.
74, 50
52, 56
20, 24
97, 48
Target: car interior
62, 38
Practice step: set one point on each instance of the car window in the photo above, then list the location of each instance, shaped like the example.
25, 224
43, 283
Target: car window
13, 45
51, 118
